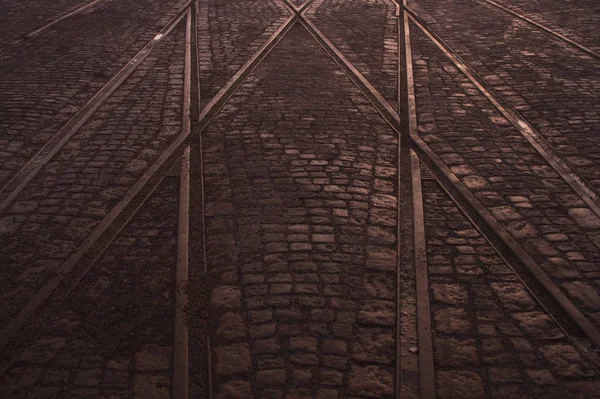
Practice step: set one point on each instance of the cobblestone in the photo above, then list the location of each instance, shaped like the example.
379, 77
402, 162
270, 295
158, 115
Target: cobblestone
74, 191
577, 20
514, 182
229, 32
18, 18
300, 202
488, 331
46, 80
109, 344
366, 32
551, 84
285, 153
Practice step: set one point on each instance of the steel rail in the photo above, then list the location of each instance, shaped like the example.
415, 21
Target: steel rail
562, 37
10, 191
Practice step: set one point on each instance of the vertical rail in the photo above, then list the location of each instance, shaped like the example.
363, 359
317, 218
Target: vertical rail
180, 347
181, 343
426, 367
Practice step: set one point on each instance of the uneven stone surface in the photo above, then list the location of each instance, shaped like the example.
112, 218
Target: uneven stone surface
301, 278
366, 32
291, 165
489, 334
550, 83
46, 80
577, 20
20, 18
229, 32
61, 206
506, 174
103, 340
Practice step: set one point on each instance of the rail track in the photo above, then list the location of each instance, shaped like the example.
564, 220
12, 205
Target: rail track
562, 37
57, 19
187, 147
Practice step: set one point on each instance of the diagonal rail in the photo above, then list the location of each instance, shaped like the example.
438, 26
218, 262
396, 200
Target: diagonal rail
562, 37
585, 191
19, 181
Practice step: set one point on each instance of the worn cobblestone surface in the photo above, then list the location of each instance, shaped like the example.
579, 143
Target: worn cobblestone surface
46, 80
366, 32
576, 19
301, 212
491, 338
504, 172
553, 85
299, 193
229, 33
74, 191
17, 18
112, 336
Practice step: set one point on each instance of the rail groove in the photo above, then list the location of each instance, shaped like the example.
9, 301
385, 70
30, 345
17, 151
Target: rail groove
426, 366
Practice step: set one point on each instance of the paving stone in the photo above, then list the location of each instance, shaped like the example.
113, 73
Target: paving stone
270, 377
452, 321
153, 357
463, 384
147, 386
232, 359
538, 325
235, 389
377, 313
566, 361
370, 382
373, 346
231, 326
456, 353
450, 294
227, 297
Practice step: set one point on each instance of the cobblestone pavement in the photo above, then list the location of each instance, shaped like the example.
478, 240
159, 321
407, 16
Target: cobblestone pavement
575, 19
20, 18
74, 192
45, 81
550, 83
229, 33
302, 255
506, 174
301, 215
491, 338
112, 336
366, 32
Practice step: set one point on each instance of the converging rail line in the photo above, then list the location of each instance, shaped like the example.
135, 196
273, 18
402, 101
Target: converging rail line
564, 319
